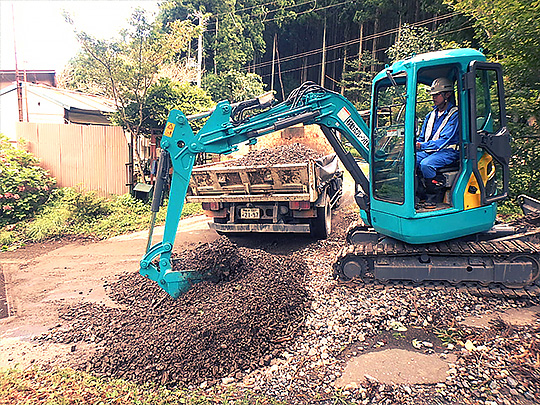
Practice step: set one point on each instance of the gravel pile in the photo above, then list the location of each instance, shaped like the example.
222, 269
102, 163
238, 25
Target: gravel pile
213, 331
292, 153
282, 327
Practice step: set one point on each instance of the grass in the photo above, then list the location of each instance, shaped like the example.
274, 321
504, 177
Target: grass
71, 213
62, 386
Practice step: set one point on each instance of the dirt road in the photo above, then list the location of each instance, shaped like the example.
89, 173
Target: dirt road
41, 278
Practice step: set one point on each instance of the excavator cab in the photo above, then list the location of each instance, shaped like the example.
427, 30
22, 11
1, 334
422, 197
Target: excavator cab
472, 184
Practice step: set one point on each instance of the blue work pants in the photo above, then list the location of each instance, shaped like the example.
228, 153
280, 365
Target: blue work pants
430, 162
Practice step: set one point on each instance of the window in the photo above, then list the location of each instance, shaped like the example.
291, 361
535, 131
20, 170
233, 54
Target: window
488, 116
388, 141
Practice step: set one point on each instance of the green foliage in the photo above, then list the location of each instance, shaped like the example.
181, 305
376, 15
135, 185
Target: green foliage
233, 86
73, 213
509, 210
166, 95
125, 69
234, 34
67, 386
523, 111
510, 32
24, 186
413, 40
357, 81
509, 29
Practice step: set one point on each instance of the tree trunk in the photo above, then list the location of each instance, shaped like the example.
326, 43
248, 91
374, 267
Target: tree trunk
323, 62
360, 46
375, 42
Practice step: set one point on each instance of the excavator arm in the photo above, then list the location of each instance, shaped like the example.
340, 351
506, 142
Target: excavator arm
228, 126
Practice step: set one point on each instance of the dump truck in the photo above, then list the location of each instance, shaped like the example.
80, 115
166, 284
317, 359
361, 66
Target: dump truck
290, 197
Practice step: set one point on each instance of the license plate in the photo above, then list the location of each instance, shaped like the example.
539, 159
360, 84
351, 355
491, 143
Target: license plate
249, 213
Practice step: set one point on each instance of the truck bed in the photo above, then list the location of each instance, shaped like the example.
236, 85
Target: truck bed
283, 182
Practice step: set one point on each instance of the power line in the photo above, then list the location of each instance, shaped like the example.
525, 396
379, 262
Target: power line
356, 40
265, 4
353, 57
285, 8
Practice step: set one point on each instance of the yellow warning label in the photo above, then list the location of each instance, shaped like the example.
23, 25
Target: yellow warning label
169, 129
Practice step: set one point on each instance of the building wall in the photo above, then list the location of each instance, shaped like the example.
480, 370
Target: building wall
39, 110
92, 157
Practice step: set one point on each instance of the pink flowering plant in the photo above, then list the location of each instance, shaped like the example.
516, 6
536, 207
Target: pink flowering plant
24, 186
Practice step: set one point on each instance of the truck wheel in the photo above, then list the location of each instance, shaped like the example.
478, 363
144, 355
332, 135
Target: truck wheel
322, 225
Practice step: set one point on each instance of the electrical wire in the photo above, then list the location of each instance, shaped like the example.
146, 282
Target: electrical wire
354, 41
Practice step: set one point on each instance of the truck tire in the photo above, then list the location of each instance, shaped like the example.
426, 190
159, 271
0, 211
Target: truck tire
322, 225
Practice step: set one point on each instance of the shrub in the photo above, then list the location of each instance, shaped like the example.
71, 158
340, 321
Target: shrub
24, 186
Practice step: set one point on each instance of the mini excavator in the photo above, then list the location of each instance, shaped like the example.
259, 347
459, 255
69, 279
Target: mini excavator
398, 240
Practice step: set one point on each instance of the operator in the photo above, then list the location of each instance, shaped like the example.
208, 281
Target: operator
437, 145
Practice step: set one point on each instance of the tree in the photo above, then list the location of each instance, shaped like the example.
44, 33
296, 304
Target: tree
233, 86
357, 79
166, 95
413, 40
510, 32
234, 33
125, 69
509, 29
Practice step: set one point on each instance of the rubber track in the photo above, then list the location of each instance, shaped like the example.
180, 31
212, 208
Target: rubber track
371, 251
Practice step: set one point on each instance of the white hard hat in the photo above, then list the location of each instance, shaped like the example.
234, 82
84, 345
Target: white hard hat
440, 85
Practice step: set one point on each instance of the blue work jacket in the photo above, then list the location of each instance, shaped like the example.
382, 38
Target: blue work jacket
448, 135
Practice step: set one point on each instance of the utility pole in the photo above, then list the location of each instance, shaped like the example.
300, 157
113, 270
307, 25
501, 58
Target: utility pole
17, 79
202, 22
273, 62
323, 70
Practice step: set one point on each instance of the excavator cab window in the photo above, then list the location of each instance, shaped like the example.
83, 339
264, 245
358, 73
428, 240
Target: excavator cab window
490, 145
424, 104
388, 140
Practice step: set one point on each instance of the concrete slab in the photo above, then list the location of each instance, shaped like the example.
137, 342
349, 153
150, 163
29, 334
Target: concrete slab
514, 316
395, 366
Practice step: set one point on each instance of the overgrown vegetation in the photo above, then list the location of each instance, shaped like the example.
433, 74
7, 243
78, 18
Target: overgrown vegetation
66, 386
24, 186
233, 86
73, 213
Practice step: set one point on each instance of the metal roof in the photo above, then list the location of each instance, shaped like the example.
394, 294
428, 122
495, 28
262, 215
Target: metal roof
67, 98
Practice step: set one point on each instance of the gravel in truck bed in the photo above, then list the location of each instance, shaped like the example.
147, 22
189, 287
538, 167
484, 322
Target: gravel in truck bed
282, 327
292, 153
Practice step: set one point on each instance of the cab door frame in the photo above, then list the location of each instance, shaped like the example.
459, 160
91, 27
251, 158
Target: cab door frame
496, 144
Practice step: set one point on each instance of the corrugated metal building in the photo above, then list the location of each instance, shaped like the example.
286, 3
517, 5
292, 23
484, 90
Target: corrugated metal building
45, 104
47, 77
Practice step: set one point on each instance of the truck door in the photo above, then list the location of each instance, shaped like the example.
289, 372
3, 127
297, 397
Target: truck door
489, 149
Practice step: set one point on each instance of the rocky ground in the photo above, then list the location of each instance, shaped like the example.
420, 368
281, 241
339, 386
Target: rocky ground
281, 326
275, 322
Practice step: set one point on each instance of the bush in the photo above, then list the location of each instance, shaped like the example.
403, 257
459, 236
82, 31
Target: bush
70, 213
24, 186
